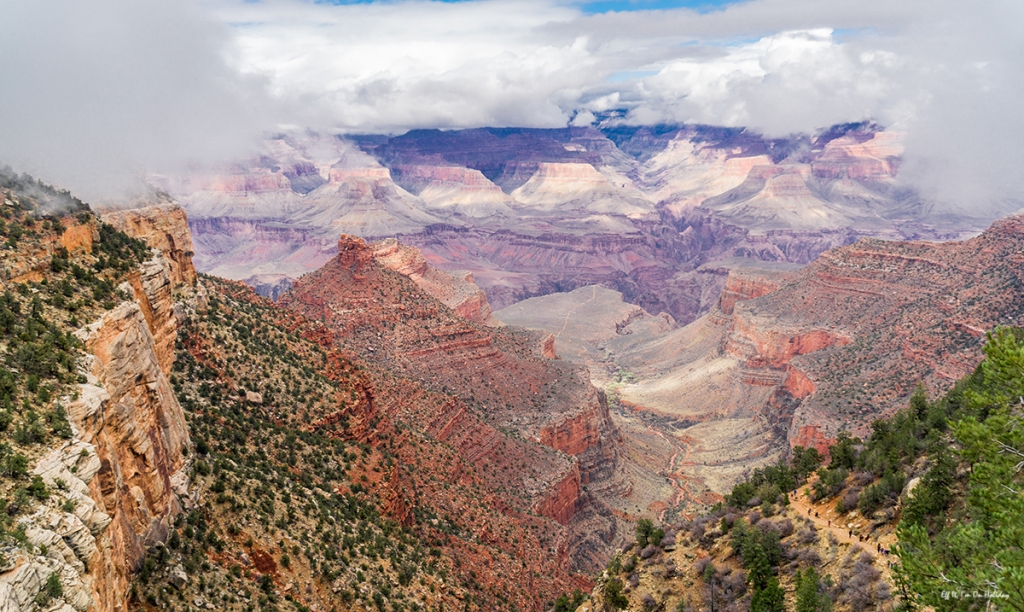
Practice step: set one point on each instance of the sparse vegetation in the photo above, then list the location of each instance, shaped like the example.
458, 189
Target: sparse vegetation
49, 291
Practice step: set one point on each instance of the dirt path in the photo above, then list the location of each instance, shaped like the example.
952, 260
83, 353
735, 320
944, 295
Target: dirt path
593, 296
840, 526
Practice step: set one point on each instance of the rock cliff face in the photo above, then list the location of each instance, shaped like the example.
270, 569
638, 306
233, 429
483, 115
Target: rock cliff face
139, 433
164, 228
741, 285
30, 263
456, 291
123, 471
877, 317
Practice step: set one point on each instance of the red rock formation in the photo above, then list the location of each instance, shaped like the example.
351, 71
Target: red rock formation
797, 383
811, 436
382, 317
437, 457
78, 236
455, 290
858, 328
547, 347
164, 228
31, 264
744, 284
771, 347
562, 500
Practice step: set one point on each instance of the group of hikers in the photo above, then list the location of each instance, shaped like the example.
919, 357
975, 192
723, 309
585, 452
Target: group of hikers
861, 538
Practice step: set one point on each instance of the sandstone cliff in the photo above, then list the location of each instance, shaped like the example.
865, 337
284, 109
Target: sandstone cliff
164, 228
120, 480
137, 427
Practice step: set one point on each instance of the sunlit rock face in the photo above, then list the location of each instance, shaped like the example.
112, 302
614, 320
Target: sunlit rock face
121, 481
533, 211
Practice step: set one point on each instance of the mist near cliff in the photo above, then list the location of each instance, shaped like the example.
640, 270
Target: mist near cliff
96, 93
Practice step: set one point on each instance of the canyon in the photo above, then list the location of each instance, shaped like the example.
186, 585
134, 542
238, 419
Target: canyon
532, 211
529, 338
789, 356
647, 247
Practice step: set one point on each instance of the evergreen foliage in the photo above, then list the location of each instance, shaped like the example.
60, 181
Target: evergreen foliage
973, 556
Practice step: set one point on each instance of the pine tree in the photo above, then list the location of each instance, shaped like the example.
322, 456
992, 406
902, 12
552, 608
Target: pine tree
809, 596
768, 596
985, 554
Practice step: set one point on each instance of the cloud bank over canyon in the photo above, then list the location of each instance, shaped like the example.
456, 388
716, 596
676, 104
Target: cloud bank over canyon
95, 91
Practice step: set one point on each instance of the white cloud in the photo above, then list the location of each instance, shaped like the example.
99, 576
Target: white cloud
145, 84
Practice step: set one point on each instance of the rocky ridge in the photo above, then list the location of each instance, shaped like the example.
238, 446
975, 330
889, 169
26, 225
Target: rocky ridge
497, 375
456, 291
791, 357
110, 484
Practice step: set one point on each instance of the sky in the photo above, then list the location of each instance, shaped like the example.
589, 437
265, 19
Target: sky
94, 93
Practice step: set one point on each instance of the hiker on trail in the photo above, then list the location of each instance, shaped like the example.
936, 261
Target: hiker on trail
850, 534
830, 522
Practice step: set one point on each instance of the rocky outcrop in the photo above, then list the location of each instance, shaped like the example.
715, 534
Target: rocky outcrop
164, 228
857, 329
128, 412
860, 157
747, 284
547, 347
590, 436
66, 528
152, 287
811, 436
121, 481
495, 380
764, 345
455, 290
31, 264
563, 498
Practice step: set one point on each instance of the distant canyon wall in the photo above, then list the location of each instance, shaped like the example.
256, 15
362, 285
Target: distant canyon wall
530, 212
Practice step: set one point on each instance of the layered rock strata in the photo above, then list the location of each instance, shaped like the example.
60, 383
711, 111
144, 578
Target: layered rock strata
121, 480
498, 379
531, 212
